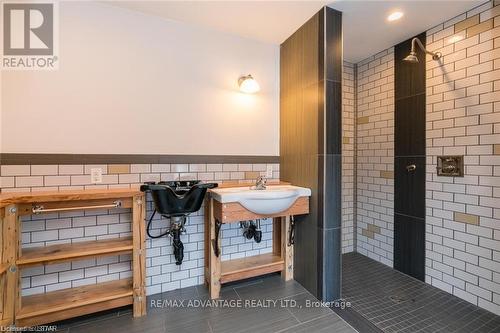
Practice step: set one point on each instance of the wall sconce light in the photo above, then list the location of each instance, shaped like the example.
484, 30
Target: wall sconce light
248, 84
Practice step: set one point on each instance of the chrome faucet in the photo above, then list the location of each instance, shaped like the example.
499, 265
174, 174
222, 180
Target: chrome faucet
260, 183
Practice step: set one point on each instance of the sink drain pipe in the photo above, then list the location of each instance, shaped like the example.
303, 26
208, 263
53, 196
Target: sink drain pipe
174, 231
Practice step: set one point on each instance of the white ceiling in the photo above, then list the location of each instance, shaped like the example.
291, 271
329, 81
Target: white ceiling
366, 30
266, 21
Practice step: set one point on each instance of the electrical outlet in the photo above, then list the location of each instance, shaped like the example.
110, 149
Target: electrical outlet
269, 171
96, 175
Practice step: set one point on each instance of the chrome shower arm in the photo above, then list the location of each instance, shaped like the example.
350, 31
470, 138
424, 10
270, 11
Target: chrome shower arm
435, 55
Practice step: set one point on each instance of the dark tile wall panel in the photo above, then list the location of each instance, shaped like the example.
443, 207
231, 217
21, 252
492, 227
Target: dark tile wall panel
410, 126
408, 193
332, 193
333, 101
301, 93
409, 245
409, 161
333, 51
332, 264
330, 250
310, 146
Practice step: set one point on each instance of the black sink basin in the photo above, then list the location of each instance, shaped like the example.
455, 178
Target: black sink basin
177, 198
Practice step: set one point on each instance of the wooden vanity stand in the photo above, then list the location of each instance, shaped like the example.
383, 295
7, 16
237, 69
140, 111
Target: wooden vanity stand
67, 303
218, 272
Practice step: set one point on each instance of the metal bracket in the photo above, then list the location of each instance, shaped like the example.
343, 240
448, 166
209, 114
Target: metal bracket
291, 231
13, 269
13, 210
215, 242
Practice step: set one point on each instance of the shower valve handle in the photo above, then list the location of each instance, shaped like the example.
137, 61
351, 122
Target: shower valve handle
411, 167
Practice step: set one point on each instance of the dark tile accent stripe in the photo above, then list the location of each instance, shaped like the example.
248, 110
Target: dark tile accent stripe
22, 159
409, 161
409, 186
410, 126
409, 245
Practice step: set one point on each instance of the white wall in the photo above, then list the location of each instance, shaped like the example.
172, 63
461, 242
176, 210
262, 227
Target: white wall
132, 83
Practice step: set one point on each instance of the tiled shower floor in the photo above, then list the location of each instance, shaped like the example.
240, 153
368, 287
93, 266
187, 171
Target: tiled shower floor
395, 302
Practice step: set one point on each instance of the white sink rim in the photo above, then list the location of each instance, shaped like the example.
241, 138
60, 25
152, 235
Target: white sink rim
234, 194
274, 199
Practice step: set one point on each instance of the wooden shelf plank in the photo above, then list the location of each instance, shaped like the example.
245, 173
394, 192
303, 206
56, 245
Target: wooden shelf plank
68, 252
238, 269
51, 305
77, 195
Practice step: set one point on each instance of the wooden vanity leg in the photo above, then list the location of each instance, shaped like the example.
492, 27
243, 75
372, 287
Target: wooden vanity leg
277, 236
10, 231
214, 262
139, 254
286, 251
4, 321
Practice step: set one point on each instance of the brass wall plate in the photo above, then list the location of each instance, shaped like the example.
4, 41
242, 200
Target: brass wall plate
450, 166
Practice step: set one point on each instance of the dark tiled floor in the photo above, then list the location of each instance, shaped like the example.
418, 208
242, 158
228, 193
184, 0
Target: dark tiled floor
278, 318
395, 302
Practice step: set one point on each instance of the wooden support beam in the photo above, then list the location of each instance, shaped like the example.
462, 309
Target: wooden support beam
11, 297
139, 254
286, 249
214, 260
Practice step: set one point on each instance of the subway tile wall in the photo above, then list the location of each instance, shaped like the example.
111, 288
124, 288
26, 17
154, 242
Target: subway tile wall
162, 272
375, 157
463, 118
348, 158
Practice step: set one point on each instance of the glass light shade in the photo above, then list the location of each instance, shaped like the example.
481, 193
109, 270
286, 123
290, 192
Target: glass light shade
395, 16
248, 84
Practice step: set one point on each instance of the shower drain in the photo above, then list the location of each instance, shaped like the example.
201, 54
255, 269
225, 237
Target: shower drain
397, 299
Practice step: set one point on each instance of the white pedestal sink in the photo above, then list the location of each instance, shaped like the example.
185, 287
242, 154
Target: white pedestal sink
274, 199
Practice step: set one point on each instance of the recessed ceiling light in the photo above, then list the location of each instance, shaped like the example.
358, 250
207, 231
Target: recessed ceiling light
395, 16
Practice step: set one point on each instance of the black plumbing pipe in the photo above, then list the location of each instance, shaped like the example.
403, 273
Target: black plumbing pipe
178, 246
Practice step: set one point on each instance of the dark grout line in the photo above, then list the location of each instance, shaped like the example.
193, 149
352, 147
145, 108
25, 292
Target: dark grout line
301, 323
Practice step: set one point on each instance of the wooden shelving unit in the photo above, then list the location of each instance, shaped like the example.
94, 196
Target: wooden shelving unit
244, 268
67, 303
75, 251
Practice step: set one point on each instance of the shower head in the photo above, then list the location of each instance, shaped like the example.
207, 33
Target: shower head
412, 57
